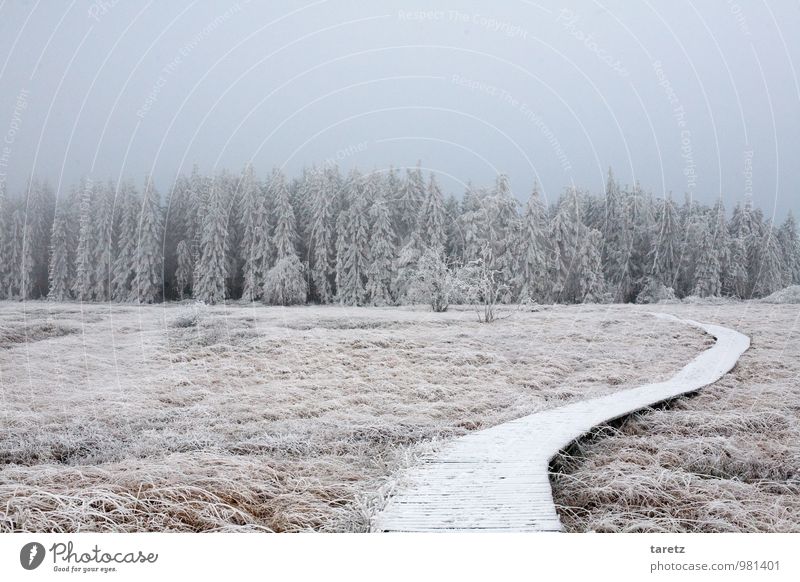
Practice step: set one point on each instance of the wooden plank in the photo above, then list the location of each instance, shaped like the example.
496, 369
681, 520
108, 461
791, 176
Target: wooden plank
497, 479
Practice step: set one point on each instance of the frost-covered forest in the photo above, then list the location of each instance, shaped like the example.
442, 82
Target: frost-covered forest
381, 238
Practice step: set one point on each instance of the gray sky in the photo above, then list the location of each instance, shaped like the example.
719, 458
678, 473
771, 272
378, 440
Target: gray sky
699, 97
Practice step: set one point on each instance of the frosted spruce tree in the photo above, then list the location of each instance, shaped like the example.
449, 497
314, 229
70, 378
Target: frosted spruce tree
322, 235
84, 257
412, 196
37, 224
255, 247
504, 228
6, 243
211, 269
431, 221
146, 286
60, 271
618, 239
566, 234
184, 269
381, 252
286, 281
665, 253
532, 250
352, 251
769, 270
707, 274
473, 223
103, 252
590, 278
789, 241
125, 261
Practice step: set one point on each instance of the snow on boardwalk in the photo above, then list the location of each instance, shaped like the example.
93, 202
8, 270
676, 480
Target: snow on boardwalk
497, 479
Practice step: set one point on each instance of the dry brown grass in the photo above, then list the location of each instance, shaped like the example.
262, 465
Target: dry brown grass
171, 418
726, 459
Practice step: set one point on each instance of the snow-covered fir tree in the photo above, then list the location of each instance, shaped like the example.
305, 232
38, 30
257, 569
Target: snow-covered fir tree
617, 241
532, 250
184, 269
125, 261
381, 252
146, 286
286, 282
431, 221
708, 273
665, 252
789, 240
255, 247
84, 257
211, 269
103, 252
60, 271
769, 270
322, 236
353, 244
412, 195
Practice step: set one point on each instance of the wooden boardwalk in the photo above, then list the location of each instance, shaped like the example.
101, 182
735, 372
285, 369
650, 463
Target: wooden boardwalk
497, 479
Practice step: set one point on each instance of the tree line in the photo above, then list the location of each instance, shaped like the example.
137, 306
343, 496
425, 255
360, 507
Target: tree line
377, 238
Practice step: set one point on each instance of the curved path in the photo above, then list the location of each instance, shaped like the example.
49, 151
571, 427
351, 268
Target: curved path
497, 479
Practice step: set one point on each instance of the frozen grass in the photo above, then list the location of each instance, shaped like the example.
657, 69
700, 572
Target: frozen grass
183, 418
724, 460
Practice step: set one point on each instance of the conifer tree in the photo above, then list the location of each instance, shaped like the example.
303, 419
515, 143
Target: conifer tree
146, 286
183, 272
769, 274
6, 243
285, 237
59, 271
125, 261
432, 218
708, 272
352, 251
103, 252
321, 244
533, 251
381, 253
412, 195
255, 249
617, 241
84, 258
665, 254
789, 241
211, 269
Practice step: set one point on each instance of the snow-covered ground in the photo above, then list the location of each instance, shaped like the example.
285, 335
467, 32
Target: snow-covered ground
727, 459
169, 417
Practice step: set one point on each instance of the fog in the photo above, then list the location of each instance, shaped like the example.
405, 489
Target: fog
699, 98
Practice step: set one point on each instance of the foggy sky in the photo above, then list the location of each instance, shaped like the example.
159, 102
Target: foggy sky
697, 97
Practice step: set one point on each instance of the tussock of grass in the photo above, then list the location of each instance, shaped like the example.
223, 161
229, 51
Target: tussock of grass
13, 335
